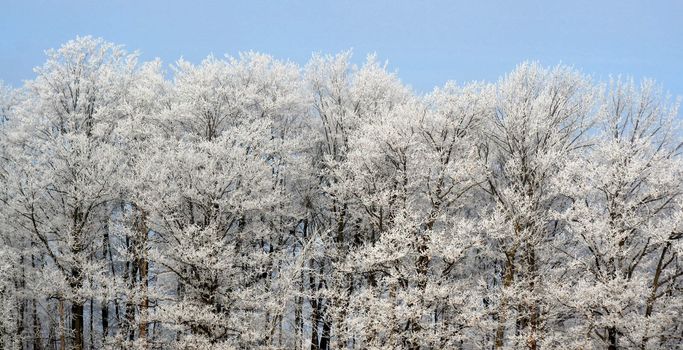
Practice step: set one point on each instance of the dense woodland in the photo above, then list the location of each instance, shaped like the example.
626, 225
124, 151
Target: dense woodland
251, 203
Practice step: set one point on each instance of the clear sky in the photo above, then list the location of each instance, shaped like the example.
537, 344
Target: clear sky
427, 42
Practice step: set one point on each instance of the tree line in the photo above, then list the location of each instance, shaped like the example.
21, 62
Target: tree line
251, 203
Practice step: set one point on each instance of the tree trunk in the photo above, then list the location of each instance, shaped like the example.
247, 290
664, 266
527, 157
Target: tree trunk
612, 338
144, 303
77, 325
130, 305
325, 338
62, 326
91, 315
298, 320
37, 341
19, 286
77, 308
104, 307
502, 311
315, 314
143, 267
532, 308
653, 294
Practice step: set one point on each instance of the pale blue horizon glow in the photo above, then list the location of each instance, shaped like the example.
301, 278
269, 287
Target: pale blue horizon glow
426, 42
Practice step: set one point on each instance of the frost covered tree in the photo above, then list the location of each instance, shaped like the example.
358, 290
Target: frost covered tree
248, 202
10, 321
541, 117
413, 169
214, 195
625, 224
62, 170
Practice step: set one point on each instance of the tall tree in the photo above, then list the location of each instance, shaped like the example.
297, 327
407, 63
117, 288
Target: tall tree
541, 117
626, 224
62, 166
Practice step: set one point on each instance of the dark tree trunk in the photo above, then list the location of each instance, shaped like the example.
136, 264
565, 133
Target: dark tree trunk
325, 339
143, 269
37, 341
315, 314
19, 285
104, 307
130, 306
612, 338
508, 277
77, 325
91, 315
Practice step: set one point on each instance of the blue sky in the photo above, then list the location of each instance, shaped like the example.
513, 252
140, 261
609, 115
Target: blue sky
427, 42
